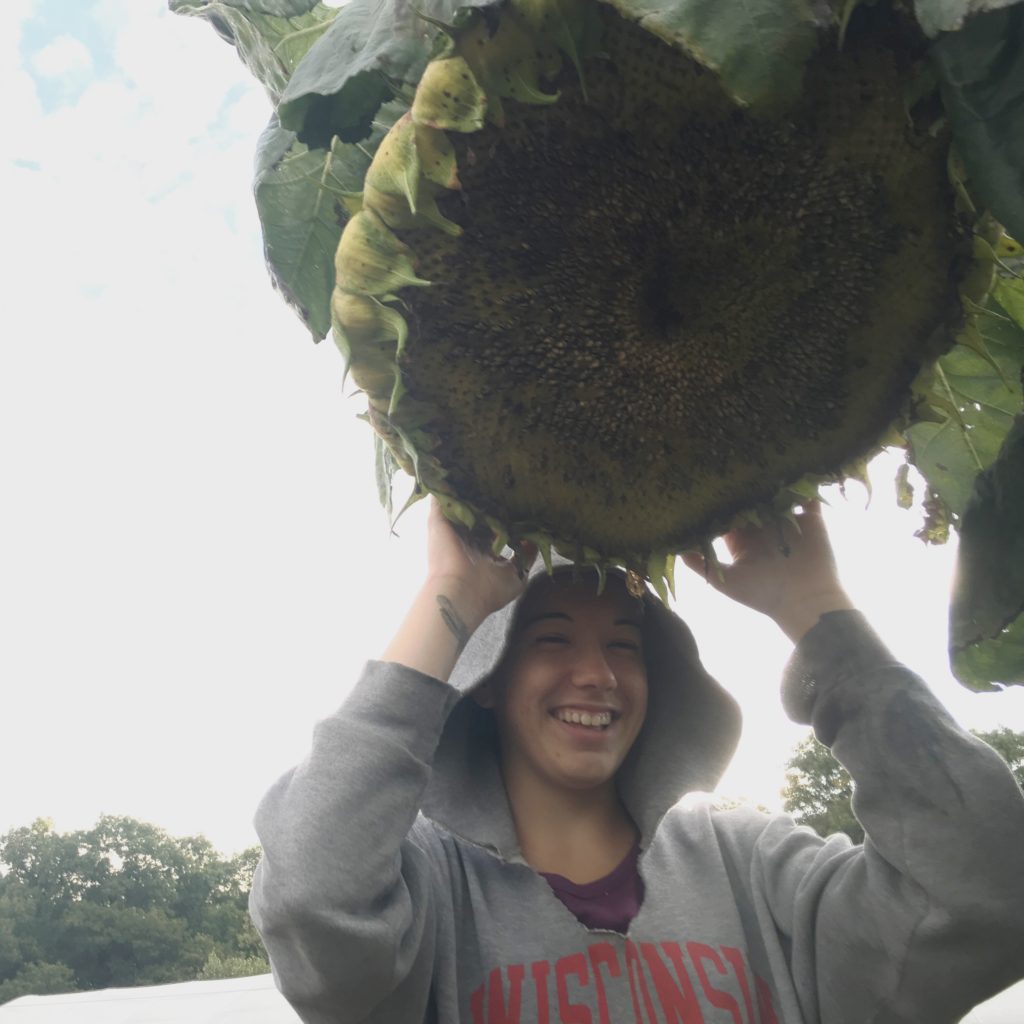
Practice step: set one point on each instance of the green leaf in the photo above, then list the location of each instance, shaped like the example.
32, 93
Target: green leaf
1000, 660
299, 198
937, 16
981, 69
271, 36
758, 47
1010, 296
988, 591
982, 400
370, 47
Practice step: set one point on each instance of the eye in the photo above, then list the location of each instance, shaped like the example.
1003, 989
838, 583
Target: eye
551, 638
626, 645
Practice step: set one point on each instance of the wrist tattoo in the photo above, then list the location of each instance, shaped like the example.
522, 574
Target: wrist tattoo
455, 624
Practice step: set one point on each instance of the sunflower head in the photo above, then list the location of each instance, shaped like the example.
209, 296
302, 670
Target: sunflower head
596, 301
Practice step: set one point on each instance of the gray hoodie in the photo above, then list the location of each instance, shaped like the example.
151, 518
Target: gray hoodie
392, 889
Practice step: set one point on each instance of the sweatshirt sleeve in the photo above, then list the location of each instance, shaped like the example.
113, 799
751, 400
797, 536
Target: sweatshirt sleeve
344, 896
926, 919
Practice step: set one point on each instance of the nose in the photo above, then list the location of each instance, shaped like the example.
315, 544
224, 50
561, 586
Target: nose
591, 669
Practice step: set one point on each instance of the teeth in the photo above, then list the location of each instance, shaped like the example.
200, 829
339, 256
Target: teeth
595, 719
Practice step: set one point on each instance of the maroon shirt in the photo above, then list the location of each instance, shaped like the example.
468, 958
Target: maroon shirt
610, 902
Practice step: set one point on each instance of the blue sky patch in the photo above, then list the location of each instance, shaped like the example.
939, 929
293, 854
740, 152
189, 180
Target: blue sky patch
52, 19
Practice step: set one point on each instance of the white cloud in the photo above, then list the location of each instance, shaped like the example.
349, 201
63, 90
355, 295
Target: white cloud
21, 102
65, 56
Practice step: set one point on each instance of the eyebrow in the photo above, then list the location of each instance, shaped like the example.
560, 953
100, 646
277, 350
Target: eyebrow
568, 618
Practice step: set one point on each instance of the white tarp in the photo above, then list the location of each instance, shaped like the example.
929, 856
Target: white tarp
231, 1001
256, 1001
1005, 1008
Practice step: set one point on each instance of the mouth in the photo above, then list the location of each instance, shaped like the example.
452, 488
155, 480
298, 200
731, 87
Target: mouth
591, 721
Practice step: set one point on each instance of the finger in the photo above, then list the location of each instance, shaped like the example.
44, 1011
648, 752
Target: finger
696, 561
710, 572
524, 556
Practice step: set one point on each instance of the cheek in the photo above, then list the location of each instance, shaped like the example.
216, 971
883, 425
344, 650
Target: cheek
640, 701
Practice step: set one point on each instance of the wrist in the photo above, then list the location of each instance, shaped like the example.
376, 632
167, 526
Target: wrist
436, 628
460, 594
801, 615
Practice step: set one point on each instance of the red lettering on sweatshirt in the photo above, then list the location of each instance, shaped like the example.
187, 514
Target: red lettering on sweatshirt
603, 953
571, 1013
765, 1010
499, 999
678, 1001
715, 996
540, 970
498, 1011
735, 958
635, 973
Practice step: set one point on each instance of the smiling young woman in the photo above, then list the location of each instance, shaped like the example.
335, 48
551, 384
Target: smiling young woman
489, 828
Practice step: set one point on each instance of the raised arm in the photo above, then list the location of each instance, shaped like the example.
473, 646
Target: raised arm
346, 894
463, 586
926, 919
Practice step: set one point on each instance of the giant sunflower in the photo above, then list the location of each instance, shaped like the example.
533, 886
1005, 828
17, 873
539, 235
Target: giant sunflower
614, 278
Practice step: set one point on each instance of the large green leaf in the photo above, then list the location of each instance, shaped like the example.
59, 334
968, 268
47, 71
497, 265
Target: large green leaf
371, 47
937, 16
1000, 660
980, 397
757, 47
981, 69
271, 36
986, 632
299, 194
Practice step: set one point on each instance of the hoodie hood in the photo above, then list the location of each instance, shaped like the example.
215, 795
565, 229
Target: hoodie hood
688, 737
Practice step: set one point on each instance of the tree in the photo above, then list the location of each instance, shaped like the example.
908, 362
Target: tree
122, 903
38, 979
818, 788
818, 791
1009, 745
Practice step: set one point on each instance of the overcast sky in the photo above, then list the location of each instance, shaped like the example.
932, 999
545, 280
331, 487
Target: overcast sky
193, 564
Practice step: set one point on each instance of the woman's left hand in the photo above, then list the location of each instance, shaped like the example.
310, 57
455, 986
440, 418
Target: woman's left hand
787, 573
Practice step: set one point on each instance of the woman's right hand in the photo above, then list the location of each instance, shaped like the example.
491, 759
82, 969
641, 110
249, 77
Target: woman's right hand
462, 588
481, 582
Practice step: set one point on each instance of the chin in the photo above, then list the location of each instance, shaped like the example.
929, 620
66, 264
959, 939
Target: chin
582, 781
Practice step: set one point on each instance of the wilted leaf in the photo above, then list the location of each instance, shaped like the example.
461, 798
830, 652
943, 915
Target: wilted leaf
935, 528
985, 399
988, 591
346, 76
299, 198
904, 488
759, 47
271, 36
981, 69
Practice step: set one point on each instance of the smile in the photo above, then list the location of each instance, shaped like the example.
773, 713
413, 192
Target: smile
591, 719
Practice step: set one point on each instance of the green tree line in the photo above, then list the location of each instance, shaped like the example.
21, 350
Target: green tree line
120, 904
819, 789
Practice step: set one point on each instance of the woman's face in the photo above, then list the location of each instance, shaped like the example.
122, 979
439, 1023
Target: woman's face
571, 694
